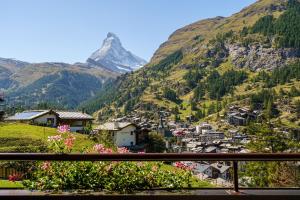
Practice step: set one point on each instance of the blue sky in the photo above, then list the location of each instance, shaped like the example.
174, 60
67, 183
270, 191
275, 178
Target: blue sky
70, 30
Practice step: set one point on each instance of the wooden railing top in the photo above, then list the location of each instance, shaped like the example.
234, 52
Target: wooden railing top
152, 157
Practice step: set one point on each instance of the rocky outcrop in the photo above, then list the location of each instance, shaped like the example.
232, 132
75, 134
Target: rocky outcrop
257, 57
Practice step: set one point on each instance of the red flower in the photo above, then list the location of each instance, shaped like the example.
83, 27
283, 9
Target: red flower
183, 166
15, 177
69, 141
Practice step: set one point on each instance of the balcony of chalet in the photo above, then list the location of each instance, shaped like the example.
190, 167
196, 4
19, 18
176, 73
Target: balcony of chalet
235, 191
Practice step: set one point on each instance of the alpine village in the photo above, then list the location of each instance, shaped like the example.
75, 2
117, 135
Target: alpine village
223, 85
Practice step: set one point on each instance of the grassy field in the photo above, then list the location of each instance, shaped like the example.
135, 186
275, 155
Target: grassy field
16, 135
10, 184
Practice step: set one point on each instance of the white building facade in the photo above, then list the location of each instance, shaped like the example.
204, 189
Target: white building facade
123, 133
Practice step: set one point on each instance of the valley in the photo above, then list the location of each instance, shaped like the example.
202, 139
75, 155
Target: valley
218, 85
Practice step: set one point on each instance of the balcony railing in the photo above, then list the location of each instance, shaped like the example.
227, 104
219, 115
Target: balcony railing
212, 193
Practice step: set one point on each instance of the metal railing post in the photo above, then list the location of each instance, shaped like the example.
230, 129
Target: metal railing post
235, 176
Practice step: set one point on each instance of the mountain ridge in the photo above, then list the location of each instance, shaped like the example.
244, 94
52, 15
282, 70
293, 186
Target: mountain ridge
113, 56
183, 36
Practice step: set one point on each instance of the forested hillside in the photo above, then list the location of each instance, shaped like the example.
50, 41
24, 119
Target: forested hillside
63, 85
64, 89
210, 64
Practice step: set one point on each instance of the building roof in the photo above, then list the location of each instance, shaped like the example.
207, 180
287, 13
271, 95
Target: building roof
73, 115
200, 168
32, 114
210, 149
28, 115
114, 126
220, 167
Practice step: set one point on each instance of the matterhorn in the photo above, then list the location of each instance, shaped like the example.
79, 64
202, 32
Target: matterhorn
114, 57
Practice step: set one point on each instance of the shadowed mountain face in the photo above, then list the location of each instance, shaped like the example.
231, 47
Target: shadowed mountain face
113, 56
28, 84
64, 89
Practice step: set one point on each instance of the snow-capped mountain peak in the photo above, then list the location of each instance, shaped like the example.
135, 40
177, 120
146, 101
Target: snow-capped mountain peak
113, 56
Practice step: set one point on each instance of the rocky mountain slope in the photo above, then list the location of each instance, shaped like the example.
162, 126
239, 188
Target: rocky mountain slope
211, 62
113, 56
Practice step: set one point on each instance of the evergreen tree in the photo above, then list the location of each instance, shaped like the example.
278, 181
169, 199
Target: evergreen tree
294, 92
268, 111
193, 105
286, 29
199, 114
170, 94
156, 143
211, 108
199, 92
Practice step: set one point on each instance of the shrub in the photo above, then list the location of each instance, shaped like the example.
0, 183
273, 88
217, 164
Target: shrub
123, 177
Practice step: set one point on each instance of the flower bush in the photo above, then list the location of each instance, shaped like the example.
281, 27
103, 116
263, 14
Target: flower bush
123, 177
15, 177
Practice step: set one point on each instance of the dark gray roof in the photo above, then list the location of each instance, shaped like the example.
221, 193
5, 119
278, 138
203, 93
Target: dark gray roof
73, 115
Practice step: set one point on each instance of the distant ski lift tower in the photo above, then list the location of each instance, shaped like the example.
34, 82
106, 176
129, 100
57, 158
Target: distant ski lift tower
2, 106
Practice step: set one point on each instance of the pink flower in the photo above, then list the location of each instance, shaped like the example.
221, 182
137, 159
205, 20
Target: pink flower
69, 141
179, 164
183, 166
63, 129
107, 150
54, 138
123, 150
101, 149
46, 165
154, 168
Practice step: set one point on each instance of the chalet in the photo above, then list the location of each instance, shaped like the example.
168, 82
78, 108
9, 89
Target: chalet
239, 116
37, 117
234, 119
203, 128
210, 136
76, 120
220, 171
124, 134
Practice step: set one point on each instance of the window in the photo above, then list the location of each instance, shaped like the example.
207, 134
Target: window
131, 133
50, 121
